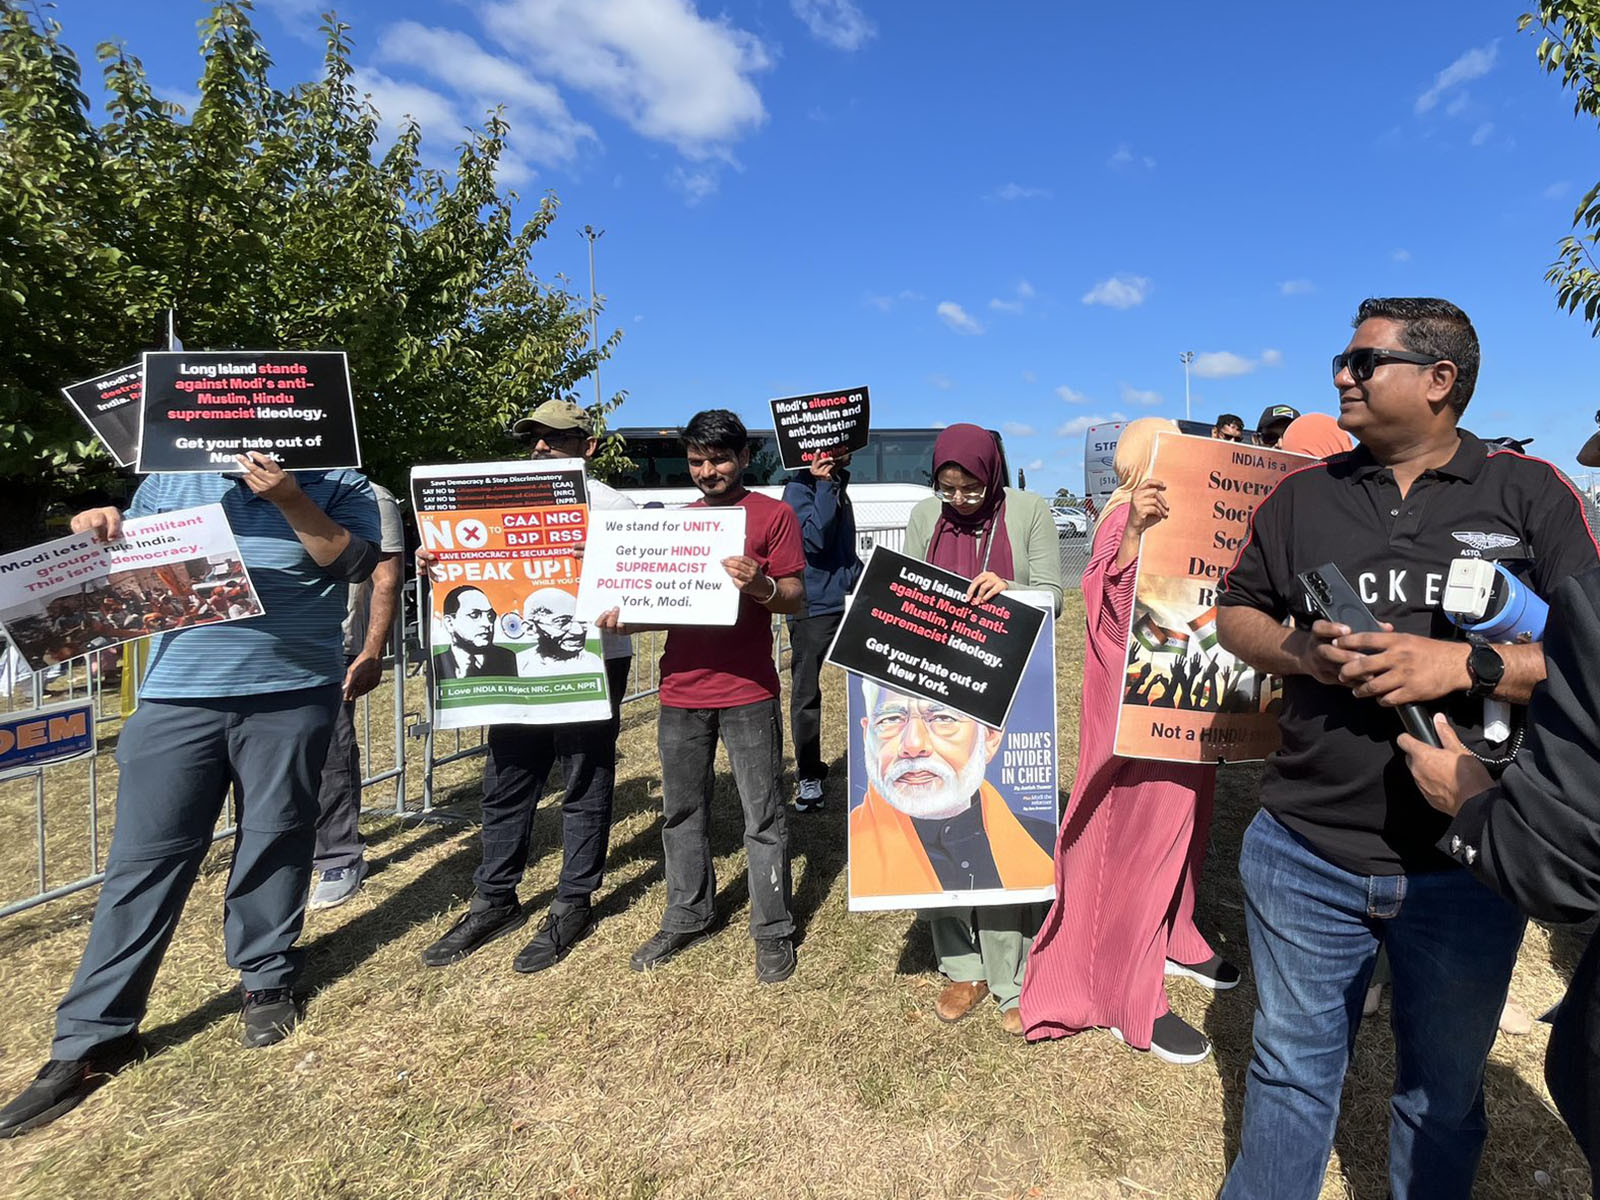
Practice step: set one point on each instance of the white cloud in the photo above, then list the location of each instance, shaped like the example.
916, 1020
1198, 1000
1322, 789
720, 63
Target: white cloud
695, 183
1483, 133
1014, 306
943, 382
1077, 426
839, 23
1272, 358
1070, 396
1025, 289
671, 74
1016, 191
541, 127
1296, 287
1132, 395
443, 123
1120, 291
1474, 64
1029, 377
1124, 156
1036, 465
1018, 429
886, 303
1558, 190
1401, 256
953, 315
1221, 364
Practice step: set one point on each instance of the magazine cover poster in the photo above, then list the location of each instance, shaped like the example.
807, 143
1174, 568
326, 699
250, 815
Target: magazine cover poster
1185, 698
505, 642
946, 811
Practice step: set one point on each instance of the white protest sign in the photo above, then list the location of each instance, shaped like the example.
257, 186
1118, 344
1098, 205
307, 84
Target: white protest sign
662, 567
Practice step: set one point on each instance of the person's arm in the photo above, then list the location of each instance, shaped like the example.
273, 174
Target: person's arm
332, 547
1534, 837
778, 594
1405, 668
817, 509
1044, 556
367, 668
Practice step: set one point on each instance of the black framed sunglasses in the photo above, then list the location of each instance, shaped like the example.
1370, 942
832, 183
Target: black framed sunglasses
1364, 360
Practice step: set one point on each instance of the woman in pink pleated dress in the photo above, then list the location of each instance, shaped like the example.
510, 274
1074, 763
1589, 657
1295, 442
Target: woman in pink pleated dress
1135, 832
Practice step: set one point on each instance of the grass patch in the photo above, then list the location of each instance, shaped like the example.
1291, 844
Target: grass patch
591, 1081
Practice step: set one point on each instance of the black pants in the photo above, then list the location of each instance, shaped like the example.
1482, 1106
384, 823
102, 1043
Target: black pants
339, 842
809, 639
520, 758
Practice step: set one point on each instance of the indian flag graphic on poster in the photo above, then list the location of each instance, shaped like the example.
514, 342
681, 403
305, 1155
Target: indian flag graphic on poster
1186, 698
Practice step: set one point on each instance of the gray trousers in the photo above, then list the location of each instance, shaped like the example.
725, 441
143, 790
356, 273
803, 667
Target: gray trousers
986, 945
687, 738
177, 759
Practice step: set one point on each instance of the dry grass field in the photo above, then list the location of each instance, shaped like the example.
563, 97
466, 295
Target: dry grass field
590, 1081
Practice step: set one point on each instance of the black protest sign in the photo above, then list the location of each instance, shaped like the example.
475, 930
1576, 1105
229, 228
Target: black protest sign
109, 406
203, 407
909, 626
832, 423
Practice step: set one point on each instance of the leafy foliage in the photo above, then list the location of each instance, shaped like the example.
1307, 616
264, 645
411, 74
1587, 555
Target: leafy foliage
267, 219
1569, 46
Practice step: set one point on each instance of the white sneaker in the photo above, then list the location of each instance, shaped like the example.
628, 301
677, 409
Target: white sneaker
810, 795
338, 885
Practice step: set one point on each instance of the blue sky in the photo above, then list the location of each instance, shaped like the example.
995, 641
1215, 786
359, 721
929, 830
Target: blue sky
1015, 214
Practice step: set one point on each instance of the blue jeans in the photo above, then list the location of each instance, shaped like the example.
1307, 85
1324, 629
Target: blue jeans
1314, 933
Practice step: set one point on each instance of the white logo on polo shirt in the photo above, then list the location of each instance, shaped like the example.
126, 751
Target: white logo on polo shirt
1485, 541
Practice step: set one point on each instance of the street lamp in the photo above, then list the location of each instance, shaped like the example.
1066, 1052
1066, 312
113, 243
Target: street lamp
1186, 358
591, 235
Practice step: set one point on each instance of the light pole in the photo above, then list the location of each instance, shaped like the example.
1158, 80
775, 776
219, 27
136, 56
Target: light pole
591, 235
1186, 358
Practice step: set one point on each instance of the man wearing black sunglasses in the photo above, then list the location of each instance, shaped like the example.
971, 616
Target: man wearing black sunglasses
1346, 855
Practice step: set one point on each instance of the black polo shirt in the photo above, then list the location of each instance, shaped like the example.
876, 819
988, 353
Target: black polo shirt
1338, 781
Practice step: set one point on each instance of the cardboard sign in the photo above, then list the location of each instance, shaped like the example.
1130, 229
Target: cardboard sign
922, 773
820, 423
109, 406
663, 567
171, 571
505, 640
910, 627
203, 407
40, 737
1100, 465
1185, 698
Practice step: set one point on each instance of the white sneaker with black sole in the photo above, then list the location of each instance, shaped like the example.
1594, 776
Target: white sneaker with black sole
809, 796
1216, 973
1174, 1040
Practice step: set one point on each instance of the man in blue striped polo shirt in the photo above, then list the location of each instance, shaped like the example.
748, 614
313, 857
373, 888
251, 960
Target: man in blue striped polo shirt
250, 702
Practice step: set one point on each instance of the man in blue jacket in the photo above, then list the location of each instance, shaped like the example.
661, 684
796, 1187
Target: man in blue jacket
828, 530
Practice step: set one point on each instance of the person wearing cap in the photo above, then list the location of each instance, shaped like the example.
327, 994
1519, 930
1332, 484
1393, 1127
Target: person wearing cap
1229, 428
520, 758
1273, 421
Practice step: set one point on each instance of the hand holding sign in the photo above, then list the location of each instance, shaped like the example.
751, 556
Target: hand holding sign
266, 477
104, 523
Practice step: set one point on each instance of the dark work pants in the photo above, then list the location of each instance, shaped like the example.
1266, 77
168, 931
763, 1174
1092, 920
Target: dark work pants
520, 758
176, 760
687, 737
809, 639
339, 841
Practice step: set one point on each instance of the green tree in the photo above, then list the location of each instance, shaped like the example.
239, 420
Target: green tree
1569, 46
269, 218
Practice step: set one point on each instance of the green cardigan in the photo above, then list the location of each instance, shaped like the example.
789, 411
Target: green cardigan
1035, 549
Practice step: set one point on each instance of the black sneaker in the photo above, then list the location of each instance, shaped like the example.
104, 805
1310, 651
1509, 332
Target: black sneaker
269, 1015
1216, 973
774, 959
1174, 1040
63, 1083
562, 928
665, 946
476, 928
809, 797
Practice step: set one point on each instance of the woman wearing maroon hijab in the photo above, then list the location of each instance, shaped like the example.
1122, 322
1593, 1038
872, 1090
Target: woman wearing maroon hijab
1000, 538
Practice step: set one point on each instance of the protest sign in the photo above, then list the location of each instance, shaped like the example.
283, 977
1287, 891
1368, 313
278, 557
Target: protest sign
1100, 465
909, 627
41, 737
109, 406
76, 595
1185, 698
832, 423
925, 778
506, 643
663, 567
201, 408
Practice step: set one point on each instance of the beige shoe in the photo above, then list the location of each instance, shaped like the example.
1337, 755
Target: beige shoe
1514, 1020
958, 999
1011, 1021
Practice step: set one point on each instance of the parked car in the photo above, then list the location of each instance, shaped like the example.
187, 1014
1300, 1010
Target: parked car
1070, 522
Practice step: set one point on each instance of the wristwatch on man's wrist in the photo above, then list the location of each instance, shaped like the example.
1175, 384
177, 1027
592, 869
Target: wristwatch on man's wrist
1486, 668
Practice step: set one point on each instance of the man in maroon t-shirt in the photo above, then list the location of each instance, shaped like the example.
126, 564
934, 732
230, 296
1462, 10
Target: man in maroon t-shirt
720, 681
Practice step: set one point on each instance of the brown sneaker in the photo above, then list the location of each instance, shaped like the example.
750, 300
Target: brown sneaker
1011, 1021
958, 999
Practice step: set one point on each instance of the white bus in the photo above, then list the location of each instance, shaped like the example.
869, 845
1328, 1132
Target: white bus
887, 477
